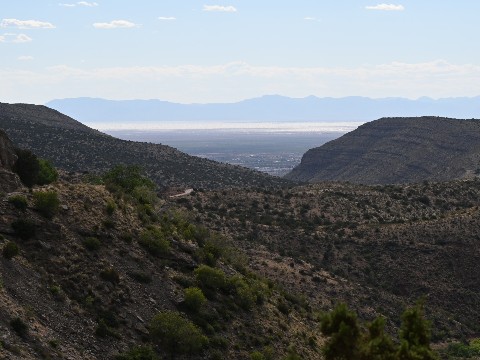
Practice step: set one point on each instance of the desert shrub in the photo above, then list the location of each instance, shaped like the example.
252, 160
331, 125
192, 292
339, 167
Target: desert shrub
210, 278
139, 353
24, 228
245, 294
47, 203
110, 207
27, 167
46, 173
92, 243
154, 241
19, 201
283, 307
211, 251
31, 170
176, 334
103, 330
19, 326
126, 178
460, 350
10, 250
194, 298
145, 194
292, 355
141, 277
257, 355
108, 224
110, 275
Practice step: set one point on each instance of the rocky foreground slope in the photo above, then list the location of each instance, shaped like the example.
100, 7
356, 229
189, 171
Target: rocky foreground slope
75, 147
90, 273
396, 150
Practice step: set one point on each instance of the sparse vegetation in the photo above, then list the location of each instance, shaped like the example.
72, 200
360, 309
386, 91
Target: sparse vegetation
46, 202
348, 341
154, 241
139, 353
32, 170
19, 326
19, 201
92, 243
177, 334
266, 259
10, 250
47, 172
24, 228
194, 298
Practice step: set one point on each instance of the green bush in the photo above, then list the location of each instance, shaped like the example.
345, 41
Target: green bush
210, 278
126, 178
47, 172
47, 203
154, 242
141, 277
10, 250
460, 350
110, 275
145, 194
110, 207
24, 228
92, 243
139, 353
211, 251
348, 341
33, 170
19, 201
176, 334
103, 330
194, 298
257, 355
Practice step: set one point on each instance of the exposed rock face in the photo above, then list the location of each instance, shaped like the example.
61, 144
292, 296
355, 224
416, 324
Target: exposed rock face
8, 180
396, 150
7, 152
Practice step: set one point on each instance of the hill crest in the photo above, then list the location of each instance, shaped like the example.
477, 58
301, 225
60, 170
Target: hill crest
396, 150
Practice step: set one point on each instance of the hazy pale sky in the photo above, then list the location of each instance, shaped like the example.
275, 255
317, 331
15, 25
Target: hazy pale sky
222, 51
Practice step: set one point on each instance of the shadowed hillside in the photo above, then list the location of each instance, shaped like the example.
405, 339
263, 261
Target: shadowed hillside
396, 150
75, 147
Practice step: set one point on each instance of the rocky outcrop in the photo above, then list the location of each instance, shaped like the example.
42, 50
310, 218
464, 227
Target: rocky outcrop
7, 152
396, 150
9, 181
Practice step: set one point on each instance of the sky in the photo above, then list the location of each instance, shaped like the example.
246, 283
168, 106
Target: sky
192, 51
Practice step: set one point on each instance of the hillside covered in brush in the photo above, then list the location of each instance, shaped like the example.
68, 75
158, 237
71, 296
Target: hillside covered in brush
396, 150
102, 268
113, 272
377, 248
73, 146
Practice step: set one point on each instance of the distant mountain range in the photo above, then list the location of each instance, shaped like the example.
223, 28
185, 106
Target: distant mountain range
396, 150
272, 108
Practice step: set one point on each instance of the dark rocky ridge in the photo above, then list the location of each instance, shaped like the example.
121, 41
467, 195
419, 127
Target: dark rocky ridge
396, 150
8, 180
75, 147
